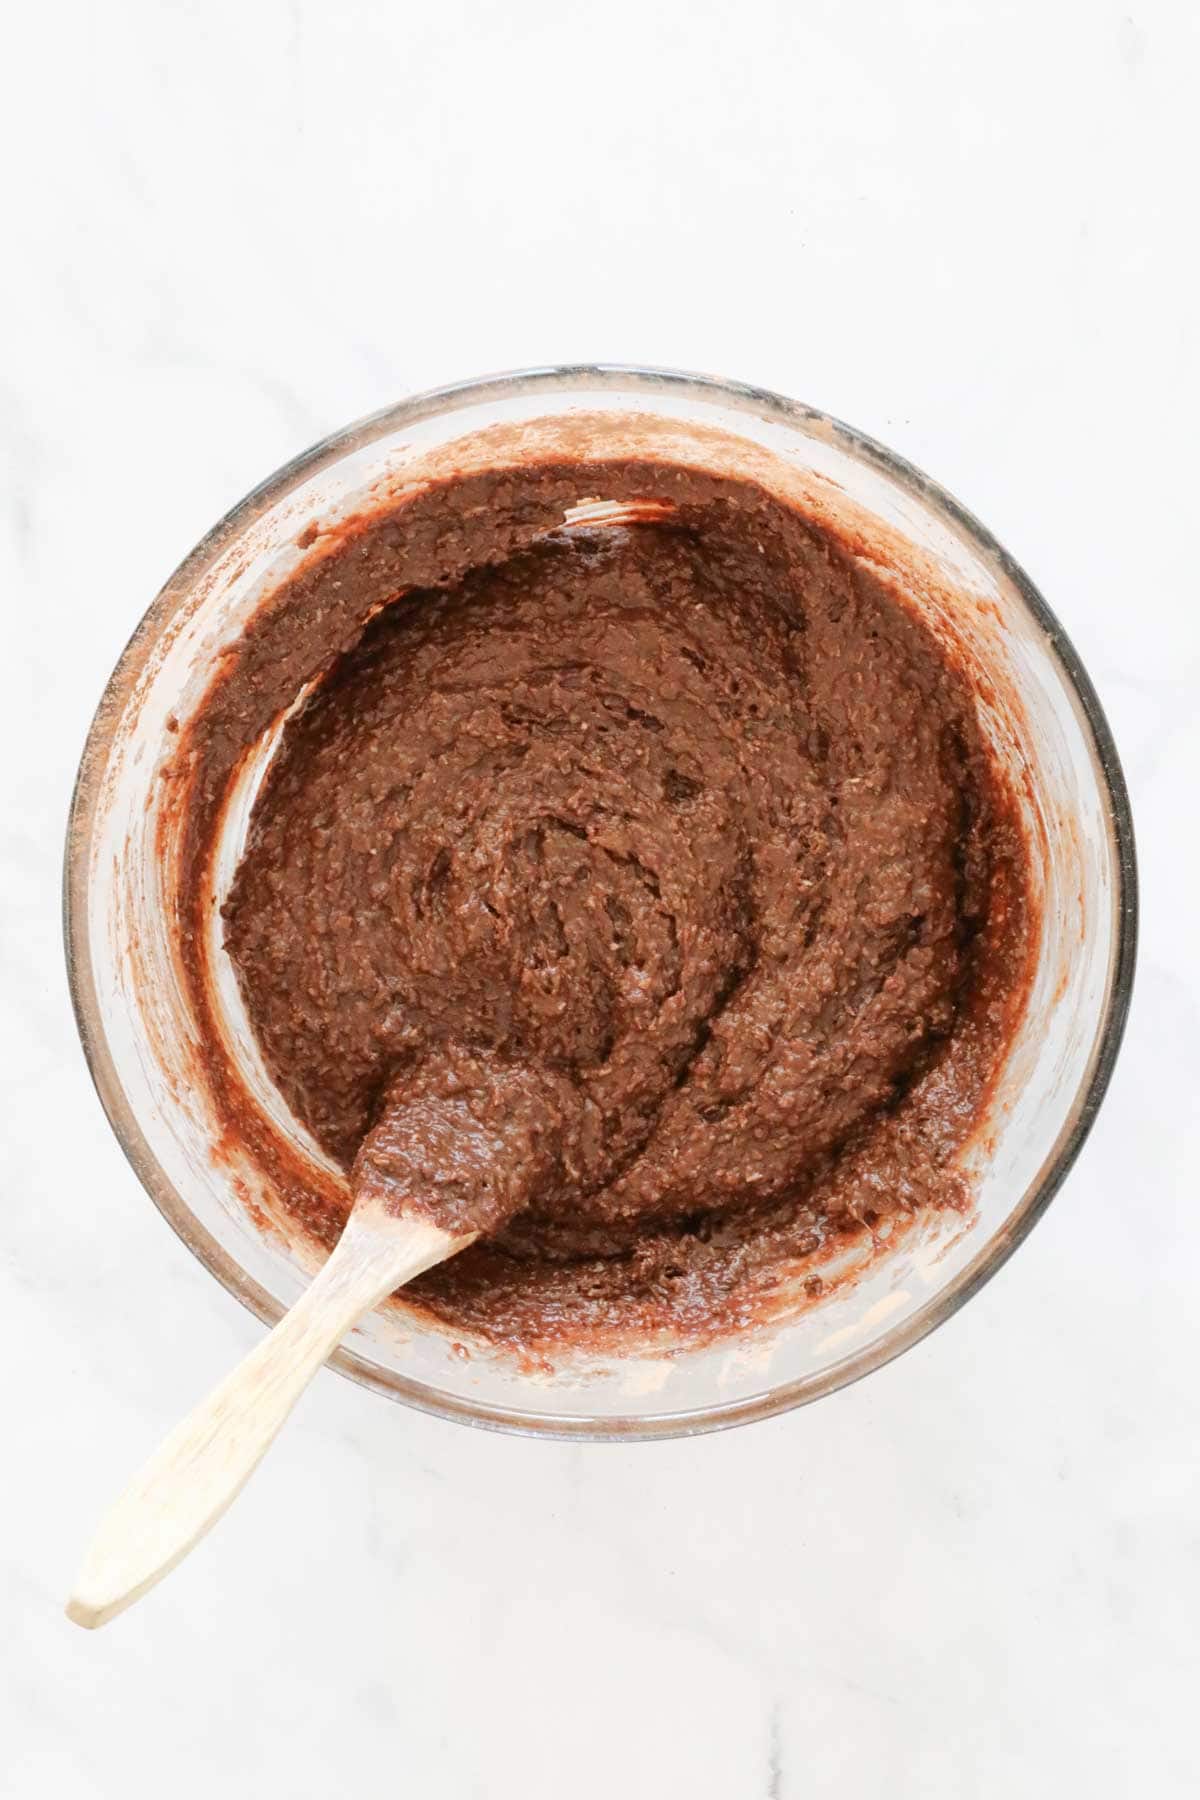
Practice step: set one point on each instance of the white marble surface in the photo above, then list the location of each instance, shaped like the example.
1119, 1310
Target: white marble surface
967, 229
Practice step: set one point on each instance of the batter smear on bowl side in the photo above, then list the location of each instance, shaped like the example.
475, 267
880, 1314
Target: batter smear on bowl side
675, 842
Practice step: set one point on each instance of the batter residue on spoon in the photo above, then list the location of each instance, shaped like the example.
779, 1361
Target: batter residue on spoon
685, 827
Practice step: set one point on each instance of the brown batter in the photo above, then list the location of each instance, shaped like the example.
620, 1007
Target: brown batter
670, 853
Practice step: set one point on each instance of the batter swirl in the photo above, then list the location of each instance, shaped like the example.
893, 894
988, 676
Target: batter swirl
688, 828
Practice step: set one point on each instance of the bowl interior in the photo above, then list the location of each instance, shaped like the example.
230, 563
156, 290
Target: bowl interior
1035, 703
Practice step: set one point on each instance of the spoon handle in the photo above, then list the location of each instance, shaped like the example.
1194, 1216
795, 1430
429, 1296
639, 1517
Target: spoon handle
202, 1466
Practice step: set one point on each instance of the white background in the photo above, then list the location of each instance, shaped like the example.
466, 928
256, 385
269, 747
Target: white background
969, 230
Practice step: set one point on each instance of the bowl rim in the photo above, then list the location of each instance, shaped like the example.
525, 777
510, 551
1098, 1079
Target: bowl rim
646, 381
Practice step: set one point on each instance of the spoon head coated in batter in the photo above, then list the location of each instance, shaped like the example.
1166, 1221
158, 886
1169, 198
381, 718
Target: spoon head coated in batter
463, 1140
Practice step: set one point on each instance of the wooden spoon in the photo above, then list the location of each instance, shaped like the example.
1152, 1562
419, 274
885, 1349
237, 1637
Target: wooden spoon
203, 1465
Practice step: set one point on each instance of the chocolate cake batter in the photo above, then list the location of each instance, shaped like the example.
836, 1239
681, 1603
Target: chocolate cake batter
668, 852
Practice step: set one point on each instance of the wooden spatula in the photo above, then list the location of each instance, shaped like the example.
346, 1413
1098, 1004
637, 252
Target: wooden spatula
201, 1468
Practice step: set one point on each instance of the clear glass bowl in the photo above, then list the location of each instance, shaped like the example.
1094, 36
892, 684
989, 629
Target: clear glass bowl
1035, 700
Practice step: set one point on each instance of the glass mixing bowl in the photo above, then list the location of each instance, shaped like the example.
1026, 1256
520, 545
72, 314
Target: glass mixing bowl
1035, 702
